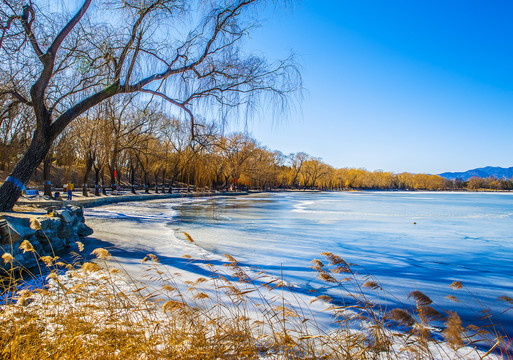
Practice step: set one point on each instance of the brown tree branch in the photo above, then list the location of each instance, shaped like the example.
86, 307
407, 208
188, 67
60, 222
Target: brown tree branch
17, 96
27, 26
67, 117
67, 29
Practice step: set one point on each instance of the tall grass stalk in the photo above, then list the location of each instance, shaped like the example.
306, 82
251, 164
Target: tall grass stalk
94, 310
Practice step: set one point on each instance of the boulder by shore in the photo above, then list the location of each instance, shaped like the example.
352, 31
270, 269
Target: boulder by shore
49, 234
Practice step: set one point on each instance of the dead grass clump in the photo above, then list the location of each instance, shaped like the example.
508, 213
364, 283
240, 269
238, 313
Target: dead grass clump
101, 253
96, 311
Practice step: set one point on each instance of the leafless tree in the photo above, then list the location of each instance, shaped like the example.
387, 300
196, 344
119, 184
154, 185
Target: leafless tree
187, 53
297, 162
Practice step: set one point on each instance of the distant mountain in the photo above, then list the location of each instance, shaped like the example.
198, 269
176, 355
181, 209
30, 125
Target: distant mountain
489, 171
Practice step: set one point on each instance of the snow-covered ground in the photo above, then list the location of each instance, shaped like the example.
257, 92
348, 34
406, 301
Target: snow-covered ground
408, 241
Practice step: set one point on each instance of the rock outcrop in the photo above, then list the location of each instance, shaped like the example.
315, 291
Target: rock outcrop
49, 234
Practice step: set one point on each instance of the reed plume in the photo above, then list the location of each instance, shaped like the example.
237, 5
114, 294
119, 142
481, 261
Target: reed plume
456, 285
420, 298
401, 316
35, 224
188, 237
453, 331
101, 253
7, 258
26, 246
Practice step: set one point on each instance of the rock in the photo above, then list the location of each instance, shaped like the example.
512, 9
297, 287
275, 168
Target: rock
72, 240
37, 246
84, 230
76, 211
55, 245
65, 231
55, 232
49, 224
64, 215
19, 228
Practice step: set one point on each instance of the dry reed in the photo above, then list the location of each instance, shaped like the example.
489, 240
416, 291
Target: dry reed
94, 310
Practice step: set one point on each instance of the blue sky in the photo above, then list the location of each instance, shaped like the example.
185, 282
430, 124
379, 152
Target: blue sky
418, 86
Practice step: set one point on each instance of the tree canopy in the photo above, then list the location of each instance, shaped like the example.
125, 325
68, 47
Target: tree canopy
57, 64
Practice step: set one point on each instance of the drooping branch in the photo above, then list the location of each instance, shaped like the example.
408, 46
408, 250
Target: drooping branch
222, 19
176, 103
133, 36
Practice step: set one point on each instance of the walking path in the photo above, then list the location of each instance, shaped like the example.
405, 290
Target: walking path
80, 200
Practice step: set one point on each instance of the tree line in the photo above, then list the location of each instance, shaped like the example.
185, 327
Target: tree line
129, 141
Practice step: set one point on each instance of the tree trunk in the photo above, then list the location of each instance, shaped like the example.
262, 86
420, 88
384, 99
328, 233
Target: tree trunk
96, 180
156, 175
9, 192
47, 165
146, 185
132, 177
164, 180
88, 167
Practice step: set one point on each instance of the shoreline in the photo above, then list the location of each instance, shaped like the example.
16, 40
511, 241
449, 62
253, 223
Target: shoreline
93, 201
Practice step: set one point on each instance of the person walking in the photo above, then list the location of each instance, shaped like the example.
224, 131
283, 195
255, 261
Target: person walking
70, 188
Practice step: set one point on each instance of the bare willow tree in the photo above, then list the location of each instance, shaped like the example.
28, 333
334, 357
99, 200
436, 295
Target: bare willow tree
61, 62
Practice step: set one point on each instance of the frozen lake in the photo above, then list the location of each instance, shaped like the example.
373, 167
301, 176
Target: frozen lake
407, 240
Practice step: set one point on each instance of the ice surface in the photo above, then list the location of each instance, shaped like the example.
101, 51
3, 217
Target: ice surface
407, 240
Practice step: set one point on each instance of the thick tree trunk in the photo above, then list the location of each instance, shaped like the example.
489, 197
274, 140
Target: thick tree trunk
47, 166
9, 192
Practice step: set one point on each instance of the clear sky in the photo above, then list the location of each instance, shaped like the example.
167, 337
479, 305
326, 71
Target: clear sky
417, 86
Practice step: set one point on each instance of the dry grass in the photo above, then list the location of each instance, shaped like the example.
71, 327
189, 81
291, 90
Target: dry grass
93, 310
